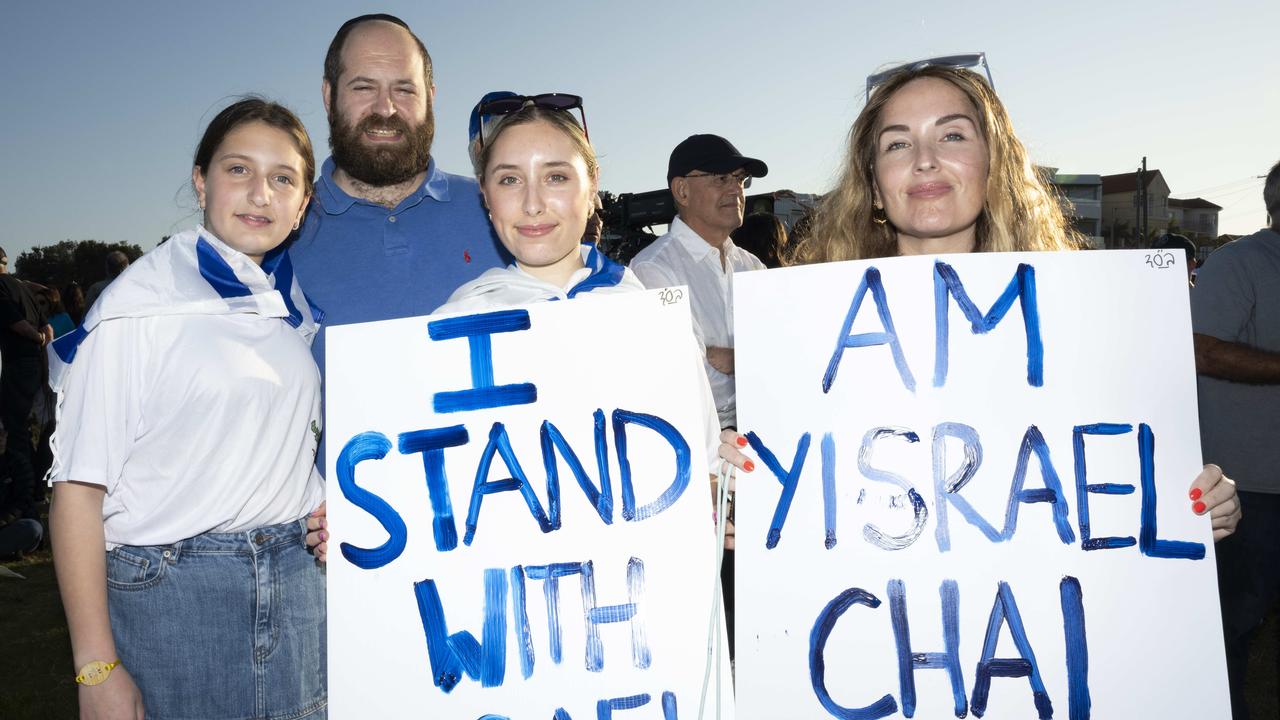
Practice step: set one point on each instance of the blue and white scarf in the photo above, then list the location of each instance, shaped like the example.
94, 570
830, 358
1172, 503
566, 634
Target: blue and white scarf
193, 273
509, 286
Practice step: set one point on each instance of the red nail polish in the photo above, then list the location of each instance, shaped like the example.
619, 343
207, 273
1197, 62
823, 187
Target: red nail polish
1198, 507
1195, 493
742, 442
748, 466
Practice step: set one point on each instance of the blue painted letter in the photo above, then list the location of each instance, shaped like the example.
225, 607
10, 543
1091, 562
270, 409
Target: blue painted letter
628, 612
870, 281
1083, 488
460, 651
908, 660
1005, 610
822, 628
621, 418
478, 330
602, 498
947, 488
1148, 543
1022, 286
788, 478
1077, 648
431, 443
1033, 441
369, 446
919, 513
500, 444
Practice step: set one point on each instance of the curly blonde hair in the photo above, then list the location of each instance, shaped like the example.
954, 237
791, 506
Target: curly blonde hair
1021, 211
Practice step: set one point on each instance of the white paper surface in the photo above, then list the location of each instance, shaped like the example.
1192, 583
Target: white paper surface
624, 351
1116, 349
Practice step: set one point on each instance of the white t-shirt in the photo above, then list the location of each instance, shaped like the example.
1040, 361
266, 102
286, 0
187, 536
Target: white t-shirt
193, 423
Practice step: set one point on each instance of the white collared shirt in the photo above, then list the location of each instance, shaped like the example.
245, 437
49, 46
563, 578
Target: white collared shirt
682, 257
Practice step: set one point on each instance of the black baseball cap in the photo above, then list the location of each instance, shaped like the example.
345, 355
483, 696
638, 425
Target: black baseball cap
713, 154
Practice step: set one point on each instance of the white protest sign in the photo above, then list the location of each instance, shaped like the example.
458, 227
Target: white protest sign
520, 514
977, 501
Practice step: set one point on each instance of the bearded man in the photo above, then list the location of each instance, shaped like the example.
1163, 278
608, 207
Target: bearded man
388, 234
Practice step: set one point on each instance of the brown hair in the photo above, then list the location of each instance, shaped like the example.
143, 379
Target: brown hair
530, 113
257, 109
1020, 211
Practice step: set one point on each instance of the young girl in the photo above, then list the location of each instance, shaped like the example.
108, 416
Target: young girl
189, 411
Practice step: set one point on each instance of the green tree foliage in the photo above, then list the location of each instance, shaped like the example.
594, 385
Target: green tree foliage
83, 261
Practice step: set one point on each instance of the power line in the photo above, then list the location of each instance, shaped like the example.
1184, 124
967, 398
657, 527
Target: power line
1249, 180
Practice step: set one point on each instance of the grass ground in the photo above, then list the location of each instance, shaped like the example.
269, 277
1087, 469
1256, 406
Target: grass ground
35, 663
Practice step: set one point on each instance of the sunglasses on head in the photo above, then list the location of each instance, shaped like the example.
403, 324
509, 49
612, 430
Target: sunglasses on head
547, 101
970, 60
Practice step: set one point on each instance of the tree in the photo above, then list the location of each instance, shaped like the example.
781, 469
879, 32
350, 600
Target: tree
83, 261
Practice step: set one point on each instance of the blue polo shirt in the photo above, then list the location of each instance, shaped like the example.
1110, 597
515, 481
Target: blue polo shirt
358, 261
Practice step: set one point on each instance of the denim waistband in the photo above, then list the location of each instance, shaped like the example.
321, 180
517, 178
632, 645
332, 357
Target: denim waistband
248, 542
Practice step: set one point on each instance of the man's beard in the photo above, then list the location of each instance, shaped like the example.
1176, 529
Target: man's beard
377, 164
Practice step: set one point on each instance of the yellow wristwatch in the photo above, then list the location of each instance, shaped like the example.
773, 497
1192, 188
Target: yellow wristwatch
96, 672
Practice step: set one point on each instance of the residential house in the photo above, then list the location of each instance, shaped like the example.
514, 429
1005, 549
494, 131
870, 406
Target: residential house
1081, 197
1196, 218
1120, 208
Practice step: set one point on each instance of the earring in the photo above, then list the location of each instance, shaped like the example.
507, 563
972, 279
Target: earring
878, 216
297, 224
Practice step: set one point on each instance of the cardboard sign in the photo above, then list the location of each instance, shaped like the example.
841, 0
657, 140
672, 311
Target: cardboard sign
520, 514
972, 498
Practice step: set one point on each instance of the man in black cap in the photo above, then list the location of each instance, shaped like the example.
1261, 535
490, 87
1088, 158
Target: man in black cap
1174, 241
707, 176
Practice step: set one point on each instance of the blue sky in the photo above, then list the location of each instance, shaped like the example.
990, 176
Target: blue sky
107, 101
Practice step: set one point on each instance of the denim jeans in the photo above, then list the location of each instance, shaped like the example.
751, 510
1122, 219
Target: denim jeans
222, 626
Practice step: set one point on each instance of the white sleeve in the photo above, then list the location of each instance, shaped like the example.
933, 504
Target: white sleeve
654, 275
99, 408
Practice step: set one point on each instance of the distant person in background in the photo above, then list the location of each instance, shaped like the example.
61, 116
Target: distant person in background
1235, 315
116, 263
23, 335
51, 303
73, 301
1174, 241
707, 176
18, 536
595, 223
762, 235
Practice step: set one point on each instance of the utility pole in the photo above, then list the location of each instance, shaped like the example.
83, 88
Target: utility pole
1146, 204
1137, 208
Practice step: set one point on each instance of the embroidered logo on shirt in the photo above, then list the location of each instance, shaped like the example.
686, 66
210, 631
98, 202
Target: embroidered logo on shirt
466, 255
